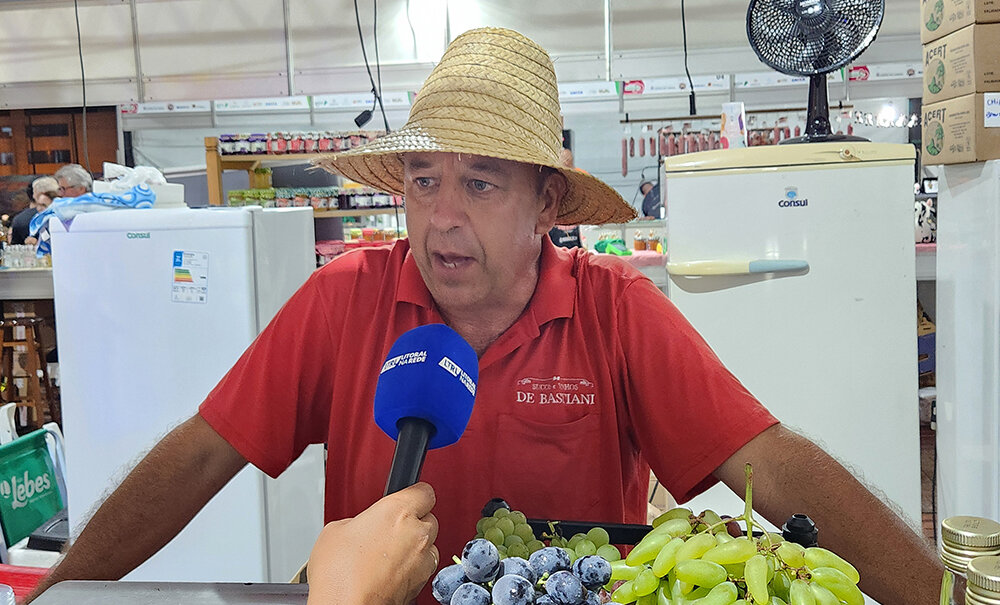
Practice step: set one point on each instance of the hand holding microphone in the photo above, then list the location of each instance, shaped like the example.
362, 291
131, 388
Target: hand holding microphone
424, 397
384, 555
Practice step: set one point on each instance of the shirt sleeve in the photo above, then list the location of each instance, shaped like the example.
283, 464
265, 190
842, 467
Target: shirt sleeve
689, 414
276, 399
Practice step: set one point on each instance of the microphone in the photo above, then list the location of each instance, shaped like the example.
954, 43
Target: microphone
424, 397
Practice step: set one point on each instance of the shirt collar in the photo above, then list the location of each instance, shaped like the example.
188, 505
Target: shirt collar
554, 297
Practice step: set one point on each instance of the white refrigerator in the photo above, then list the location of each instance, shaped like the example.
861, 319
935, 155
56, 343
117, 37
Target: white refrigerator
796, 264
153, 307
968, 340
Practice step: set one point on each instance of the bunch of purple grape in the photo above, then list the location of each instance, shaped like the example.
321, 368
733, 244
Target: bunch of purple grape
547, 577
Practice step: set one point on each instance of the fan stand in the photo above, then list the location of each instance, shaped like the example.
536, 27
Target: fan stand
818, 117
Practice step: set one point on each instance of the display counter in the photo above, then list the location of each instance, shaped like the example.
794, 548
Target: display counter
155, 593
26, 284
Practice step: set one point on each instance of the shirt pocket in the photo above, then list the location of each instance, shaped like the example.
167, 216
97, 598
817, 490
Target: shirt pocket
550, 471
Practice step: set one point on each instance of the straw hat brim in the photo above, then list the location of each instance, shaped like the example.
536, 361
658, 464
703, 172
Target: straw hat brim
379, 164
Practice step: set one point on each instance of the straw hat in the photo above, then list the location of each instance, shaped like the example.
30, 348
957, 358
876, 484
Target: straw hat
493, 94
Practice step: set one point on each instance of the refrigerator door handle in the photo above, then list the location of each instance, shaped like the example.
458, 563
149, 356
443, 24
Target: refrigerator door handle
736, 267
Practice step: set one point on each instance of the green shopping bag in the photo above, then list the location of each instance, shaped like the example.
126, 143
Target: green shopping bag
29, 493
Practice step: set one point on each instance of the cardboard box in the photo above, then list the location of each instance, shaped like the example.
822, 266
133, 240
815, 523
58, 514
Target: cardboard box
941, 17
966, 129
962, 63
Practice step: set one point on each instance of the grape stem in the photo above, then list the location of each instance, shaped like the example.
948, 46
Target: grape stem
748, 510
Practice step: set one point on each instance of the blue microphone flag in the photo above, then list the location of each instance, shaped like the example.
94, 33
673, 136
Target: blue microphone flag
430, 373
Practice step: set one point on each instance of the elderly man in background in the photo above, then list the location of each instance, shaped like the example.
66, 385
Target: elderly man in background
74, 180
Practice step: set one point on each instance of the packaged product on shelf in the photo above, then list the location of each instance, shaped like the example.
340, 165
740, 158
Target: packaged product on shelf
257, 143
381, 200
227, 145
310, 143
318, 198
325, 141
301, 199
242, 143
260, 178
265, 197
276, 143
235, 197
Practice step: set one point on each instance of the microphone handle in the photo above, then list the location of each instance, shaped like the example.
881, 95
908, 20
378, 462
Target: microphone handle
411, 448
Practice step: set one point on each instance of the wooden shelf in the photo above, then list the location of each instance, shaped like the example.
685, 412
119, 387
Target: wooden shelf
323, 213
251, 161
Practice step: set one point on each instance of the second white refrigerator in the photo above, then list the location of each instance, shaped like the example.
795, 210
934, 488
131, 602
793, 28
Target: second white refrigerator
796, 264
153, 307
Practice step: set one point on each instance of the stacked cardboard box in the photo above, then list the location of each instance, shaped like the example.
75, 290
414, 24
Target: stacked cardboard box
961, 99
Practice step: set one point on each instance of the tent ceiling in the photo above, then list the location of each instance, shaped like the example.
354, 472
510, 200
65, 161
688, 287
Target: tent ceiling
211, 46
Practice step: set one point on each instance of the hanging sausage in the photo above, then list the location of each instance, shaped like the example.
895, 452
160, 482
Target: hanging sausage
624, 156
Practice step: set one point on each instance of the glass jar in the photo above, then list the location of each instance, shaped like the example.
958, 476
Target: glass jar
962, 540
639, 242
984, 581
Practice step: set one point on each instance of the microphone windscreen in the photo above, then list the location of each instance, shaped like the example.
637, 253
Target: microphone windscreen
430, 373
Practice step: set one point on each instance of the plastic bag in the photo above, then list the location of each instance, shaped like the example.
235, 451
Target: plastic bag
123, 178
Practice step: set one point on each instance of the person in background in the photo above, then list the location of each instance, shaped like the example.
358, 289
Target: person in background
384, 555
74, 180
651, 203
566, 236
43, 191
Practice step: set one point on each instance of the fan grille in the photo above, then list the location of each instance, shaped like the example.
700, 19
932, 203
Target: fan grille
809, 37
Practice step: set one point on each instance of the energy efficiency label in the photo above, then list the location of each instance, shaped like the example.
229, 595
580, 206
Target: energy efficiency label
190, 277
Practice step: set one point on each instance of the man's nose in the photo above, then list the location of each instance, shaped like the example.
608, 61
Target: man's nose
449, 209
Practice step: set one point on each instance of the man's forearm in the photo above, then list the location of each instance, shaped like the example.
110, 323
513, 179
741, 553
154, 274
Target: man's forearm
793, 475
152, 505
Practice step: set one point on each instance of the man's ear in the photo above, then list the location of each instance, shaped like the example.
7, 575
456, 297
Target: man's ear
552, 193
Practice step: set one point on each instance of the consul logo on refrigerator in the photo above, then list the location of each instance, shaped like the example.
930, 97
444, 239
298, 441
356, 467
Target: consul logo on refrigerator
792, 199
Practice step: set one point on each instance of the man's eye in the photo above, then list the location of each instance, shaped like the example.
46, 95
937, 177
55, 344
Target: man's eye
481, 186
422, 181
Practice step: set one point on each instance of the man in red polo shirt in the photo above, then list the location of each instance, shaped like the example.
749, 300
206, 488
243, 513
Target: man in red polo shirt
588, 375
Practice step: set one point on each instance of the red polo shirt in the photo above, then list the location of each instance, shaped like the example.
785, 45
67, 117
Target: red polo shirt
599, 379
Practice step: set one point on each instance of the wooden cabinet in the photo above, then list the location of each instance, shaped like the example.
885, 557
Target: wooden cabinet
40, 141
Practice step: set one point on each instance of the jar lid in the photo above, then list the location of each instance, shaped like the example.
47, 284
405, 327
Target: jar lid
974, 532
984, 573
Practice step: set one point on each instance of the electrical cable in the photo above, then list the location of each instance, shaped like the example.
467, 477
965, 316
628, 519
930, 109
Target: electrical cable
361, 36
378, 66
413, 32
83, 83
684, 33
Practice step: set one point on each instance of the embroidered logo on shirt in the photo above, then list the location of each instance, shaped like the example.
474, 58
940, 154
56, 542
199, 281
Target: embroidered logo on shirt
557, 389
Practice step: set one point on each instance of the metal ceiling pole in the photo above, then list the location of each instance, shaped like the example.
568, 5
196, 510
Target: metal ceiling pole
287, 17
140, 85
607, 40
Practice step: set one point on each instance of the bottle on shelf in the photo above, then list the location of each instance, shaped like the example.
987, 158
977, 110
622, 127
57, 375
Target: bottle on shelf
963, 539
984, 581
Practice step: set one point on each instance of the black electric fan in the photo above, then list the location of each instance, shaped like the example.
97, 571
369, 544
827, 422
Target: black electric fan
812, 38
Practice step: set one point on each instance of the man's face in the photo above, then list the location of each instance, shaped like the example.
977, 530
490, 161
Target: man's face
645, 188
475, 226
66, 190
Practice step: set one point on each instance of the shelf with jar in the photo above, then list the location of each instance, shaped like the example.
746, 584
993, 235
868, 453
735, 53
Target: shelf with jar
253, 154
347, 200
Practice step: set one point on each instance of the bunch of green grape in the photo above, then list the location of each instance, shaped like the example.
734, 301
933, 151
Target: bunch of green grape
509, 531
690, 558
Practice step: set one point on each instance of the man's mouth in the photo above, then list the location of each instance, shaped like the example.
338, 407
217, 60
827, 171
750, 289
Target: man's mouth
452, 261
